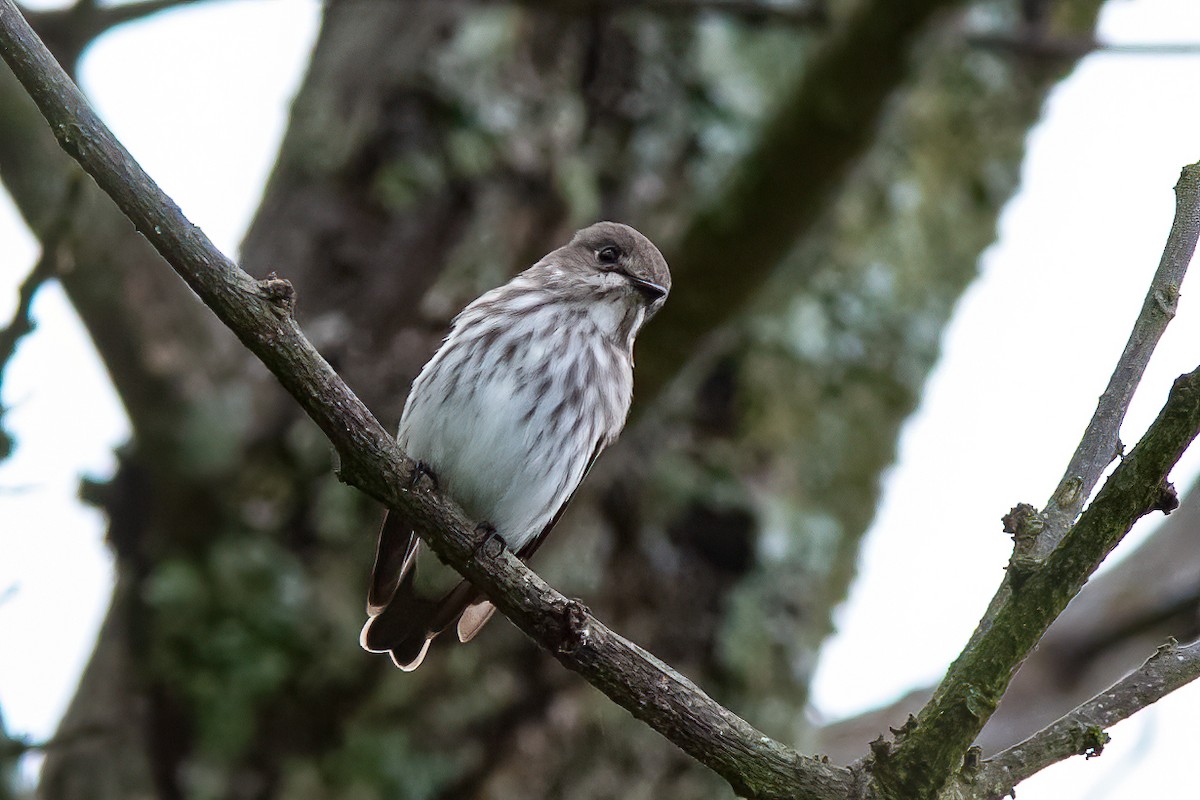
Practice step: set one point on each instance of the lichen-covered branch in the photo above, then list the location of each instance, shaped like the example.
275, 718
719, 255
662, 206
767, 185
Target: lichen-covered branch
260, 314
1036, 590
932, 748
1081, 732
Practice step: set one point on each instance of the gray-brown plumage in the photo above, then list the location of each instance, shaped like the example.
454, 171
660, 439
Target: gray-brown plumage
533, 381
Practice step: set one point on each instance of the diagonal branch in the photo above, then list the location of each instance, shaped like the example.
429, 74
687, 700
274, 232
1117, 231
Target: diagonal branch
1101, 441
260, 314
1081, 732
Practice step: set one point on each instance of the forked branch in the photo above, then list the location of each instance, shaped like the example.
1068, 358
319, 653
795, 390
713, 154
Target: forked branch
1036, 590
1101, 442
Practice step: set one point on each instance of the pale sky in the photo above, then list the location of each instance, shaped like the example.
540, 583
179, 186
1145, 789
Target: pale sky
1058, 293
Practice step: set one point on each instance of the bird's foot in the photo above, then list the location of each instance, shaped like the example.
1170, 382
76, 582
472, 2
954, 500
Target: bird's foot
423, 470
488, 542
576, 630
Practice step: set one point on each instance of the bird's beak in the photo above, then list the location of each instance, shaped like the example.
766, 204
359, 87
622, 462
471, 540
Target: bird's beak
648, 289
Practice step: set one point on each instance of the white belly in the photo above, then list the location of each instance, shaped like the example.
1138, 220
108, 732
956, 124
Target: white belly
503, 447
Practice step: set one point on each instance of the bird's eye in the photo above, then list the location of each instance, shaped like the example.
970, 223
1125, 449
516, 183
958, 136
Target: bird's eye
608, 255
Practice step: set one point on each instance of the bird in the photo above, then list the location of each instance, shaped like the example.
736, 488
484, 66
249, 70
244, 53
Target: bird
532, 382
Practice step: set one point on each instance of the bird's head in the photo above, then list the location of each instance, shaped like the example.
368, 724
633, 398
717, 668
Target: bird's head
610, 264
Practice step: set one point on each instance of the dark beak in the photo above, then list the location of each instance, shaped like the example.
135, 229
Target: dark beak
648, 289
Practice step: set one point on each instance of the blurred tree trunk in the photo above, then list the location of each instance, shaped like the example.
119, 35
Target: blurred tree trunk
434, 149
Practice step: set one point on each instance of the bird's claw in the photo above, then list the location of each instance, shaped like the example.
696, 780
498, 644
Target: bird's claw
423, 470
490, 543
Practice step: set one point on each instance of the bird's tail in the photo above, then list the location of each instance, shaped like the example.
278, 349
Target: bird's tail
402, 623
400, 626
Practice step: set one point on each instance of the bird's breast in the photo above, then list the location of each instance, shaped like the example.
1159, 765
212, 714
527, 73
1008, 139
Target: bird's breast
509, 418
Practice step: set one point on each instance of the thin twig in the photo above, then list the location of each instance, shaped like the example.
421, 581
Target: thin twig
16, 746
22, 319
1080, 732
43, 270
110, 16
46, 268
67, 31
815, 12
1101, 442
1073, 49
260, 314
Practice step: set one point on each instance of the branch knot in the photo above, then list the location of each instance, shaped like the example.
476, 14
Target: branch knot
1025, 525
279, 292
575, 629
1167, 499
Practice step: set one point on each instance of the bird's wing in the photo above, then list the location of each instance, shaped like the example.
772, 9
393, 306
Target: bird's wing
476, 615
531, 548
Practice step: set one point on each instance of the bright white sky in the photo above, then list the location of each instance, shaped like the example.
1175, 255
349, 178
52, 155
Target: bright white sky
1050, 314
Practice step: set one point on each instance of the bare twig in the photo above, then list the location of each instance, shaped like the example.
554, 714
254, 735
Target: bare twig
68, 31
45, 269
1081, 732
1073, 49
16, 746
110, 16
814, 12
1101, 441
1035, 592
260, 314
22, 319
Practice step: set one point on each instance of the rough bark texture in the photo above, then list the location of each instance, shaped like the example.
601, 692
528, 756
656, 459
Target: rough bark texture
434, 149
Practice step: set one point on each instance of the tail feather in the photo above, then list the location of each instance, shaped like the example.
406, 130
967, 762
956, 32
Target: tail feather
401, 626
402, 623
395, 556
473, 619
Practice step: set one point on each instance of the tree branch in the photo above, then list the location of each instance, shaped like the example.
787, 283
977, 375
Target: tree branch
45, 269
1035, 591
21, 324
17, 746
815, 12
1072, 49
1101, 441
260, 314
1081, 732
68, 31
